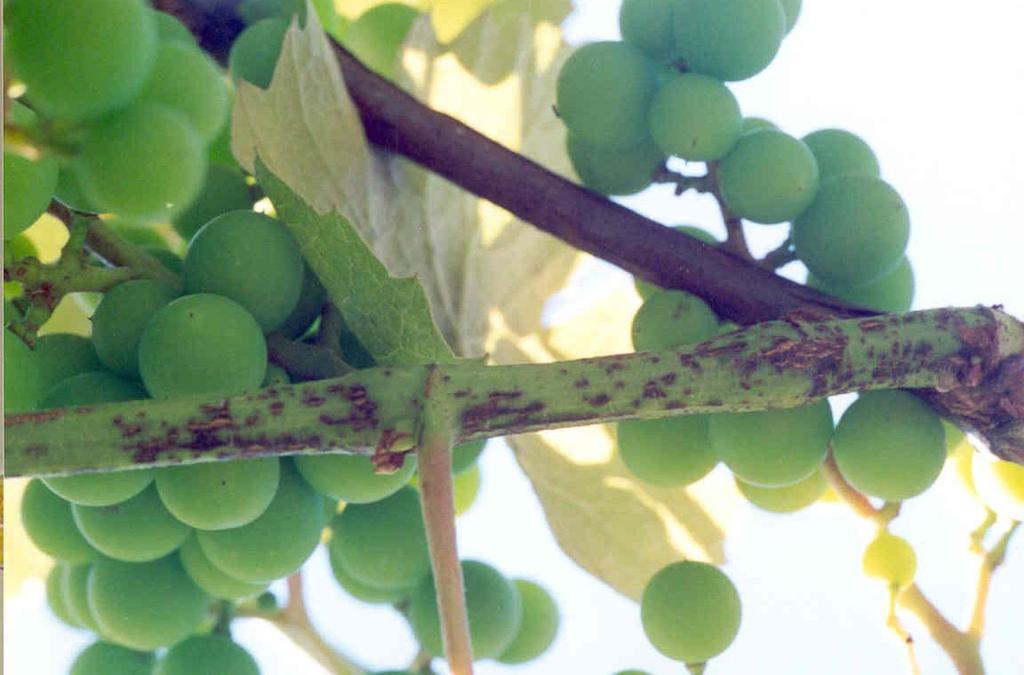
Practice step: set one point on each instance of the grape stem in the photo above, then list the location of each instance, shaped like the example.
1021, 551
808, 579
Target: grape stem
893, 623
434, 455
735, 239
853, 498
779, 257
990, 561
663, 174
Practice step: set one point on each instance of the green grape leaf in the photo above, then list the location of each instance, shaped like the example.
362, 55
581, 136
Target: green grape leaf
390, 316
486, 274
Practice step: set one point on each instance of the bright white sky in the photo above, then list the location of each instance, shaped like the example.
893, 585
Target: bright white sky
935, 88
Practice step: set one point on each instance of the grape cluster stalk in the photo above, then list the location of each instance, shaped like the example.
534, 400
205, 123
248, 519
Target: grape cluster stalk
222, 419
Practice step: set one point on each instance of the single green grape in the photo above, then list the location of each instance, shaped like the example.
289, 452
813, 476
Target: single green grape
671, 319
615, 171
98, 386
645, 289
695, 117
792, 10
538, 627
223, 190
954, 436
51, 527
219, 495
465, 455
124, 595
278, 541
361, 591
137, 530
22, 389
785, 499
893, 292
751, 124
207, 654
202, 344
667, 452
186, 79
1000, 485
728, 39
648, 25
100, 489
768, 177
493, 606
690, 611
603, 92
773, 448
74, 587
466, 488
312, 298
80, 60
104, 658
890, 444
352, 478
383, 544
254, 52
854, 232
55, 597
170, 29
212, 580
376, 36
890, 558
839, 152
121, 317
145, 161
58, 356
251, 259
28, 188
276, 376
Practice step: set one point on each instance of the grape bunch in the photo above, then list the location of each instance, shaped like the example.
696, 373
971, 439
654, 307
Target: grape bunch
140, 140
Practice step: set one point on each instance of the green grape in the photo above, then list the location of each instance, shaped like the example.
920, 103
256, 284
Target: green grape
186, 79
22, 389
97, 386
792, 11
55, 595
1000, 485
361, 591
224, 190
668, 452
250, 258
376, 36
202, 344
632, 672
100, 489
51, 527
954, 437
351, 478
80, 60
58, 356
768, 177
74, 587
728, 39
466, 488
690, 611
138, 233
28, 187
695, 117
493, 606
773, 448
312, 298
785, 499
383, 544
276, 375
120, 318
219, 151
648, 25
207, 654
170, 29
103, 658
144, 161
137, 530
254, 52
208, 577
854, 232
893, 292
890, 444
751, 124
465, 455
839, 152
69, 191
670, 319
145, 605
645, 289
538, 627
603, 92
891, 559
219, 495
275, 544
615, 171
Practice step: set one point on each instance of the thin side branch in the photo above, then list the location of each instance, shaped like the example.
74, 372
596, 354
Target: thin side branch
990, 561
